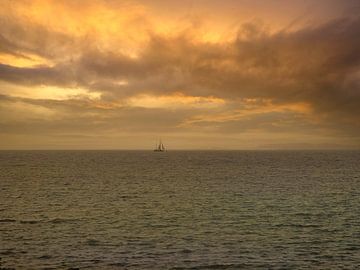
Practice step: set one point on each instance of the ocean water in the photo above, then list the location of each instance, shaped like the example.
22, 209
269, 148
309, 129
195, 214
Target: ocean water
180, 210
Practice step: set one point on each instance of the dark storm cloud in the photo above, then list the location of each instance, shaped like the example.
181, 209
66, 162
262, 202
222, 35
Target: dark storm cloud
79, 115
41, 75
21, 36
7, 47
296, 65
318, 65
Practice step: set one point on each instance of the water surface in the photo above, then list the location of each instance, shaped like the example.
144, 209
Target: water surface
180, 209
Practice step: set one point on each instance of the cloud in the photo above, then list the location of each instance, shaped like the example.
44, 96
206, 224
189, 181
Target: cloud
301, 80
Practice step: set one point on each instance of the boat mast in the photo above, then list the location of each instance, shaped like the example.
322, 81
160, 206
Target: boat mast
159, 147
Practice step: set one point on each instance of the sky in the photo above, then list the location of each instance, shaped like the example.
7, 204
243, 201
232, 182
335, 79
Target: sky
199, 74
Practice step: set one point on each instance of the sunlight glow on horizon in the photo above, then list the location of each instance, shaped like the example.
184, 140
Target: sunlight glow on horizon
211, 68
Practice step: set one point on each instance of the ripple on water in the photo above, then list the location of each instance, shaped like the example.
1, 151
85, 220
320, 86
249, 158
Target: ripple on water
92, 242
7, 220
30, 221
180, 210
63, 220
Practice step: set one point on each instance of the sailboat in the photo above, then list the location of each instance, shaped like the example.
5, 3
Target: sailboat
159, 147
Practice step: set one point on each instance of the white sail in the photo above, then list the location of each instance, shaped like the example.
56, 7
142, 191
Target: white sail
159, 147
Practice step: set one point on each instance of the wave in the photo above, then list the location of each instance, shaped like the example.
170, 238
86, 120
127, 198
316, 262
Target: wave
296, 225
45, 257
92, 242
63, 220
118, 264
30, 221
7, 252
5, 220
212, 266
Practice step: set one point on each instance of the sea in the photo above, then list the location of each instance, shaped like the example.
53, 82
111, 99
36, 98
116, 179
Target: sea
180, 210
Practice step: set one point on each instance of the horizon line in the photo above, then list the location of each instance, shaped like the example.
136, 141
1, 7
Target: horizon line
185, 149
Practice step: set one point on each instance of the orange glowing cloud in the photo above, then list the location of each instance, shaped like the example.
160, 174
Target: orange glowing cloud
245, 69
